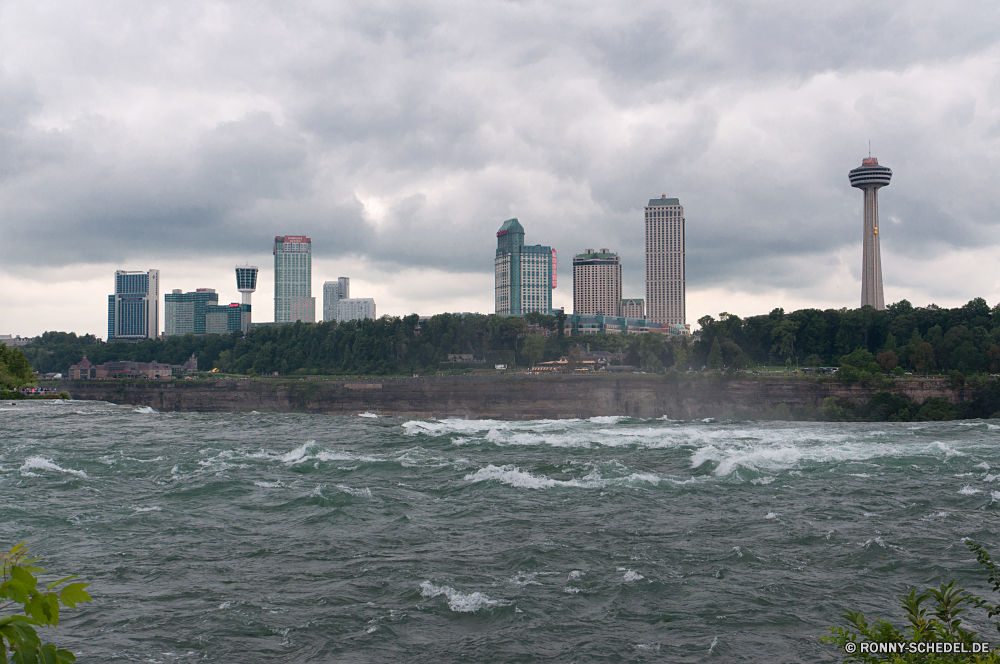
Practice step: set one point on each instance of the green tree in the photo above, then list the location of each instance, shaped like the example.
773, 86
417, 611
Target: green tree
923, 358
15, 371
715, 355
533, 348
19, 591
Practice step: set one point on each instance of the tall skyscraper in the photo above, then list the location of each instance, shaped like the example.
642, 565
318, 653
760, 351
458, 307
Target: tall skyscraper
597, 283
293, 298
333, 293
134, 309
524, 275
665, 268
184, 313
869, 177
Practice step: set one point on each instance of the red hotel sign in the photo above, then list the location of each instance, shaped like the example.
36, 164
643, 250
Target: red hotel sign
499, 233
553, 268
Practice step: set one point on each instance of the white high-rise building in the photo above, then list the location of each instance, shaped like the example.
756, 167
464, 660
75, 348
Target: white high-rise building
334, 292
134, 309
355, 308
665, 268
293, 300
339, 306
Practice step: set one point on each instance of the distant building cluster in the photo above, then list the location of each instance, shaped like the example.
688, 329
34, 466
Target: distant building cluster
525, 276
11, 340
134, 313
339, 306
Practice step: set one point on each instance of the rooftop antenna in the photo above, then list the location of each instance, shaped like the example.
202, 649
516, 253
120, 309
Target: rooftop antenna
869, 148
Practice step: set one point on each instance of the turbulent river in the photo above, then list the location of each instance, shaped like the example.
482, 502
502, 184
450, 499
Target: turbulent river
308, 538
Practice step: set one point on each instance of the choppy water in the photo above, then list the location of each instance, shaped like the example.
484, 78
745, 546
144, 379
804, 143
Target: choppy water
304, 538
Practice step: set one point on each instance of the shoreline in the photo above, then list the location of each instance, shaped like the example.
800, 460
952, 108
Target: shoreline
505, 397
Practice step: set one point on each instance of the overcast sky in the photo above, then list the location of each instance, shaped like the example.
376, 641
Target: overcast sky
184, 136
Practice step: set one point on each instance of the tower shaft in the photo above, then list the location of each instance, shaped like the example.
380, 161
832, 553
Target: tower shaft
869, 177
871, 268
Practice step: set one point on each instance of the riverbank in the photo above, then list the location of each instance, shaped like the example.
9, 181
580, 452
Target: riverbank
508, 397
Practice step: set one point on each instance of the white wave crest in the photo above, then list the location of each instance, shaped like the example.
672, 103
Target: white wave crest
41, 463
612, 419
268, 485
514, 476
371, 415
771, 515
968, 490
144, 409
460, 602
632, 575
359, 493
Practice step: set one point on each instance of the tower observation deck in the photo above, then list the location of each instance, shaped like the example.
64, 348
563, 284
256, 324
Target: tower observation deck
870, 177
246, 284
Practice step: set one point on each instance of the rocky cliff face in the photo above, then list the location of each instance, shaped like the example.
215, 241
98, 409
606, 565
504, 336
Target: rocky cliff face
514, 397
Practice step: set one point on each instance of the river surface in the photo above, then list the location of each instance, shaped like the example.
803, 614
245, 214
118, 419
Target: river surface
308, 538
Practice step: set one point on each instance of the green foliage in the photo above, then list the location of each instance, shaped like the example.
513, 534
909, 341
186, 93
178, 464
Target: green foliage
15, 370
940, 623
715, 355
956, 339
19, 591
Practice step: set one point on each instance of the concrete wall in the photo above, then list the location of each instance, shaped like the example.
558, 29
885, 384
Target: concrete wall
497, 397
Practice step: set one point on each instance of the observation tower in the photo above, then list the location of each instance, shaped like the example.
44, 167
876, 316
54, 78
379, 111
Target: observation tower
869, 177
246, 284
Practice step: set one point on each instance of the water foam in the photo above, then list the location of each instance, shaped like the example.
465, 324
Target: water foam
41, 463
359, 493
513, 476
968, 490
144, 409
632, 575
460, 602
368, 414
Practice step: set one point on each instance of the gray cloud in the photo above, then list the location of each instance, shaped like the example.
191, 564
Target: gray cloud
405, 132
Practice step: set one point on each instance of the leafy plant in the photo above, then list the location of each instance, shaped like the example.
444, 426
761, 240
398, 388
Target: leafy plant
938, 624
19, 591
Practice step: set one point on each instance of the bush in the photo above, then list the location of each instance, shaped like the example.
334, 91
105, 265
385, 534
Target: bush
943, 625
41, 608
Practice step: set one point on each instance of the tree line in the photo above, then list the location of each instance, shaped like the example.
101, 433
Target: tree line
863, 341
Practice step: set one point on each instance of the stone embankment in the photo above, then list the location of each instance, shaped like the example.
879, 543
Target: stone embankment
510, 397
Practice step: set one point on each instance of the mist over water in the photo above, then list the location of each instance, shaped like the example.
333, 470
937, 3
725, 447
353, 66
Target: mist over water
307, 538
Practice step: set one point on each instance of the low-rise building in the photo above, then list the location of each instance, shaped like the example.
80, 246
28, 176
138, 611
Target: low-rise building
85, 370
577, 325
10, 340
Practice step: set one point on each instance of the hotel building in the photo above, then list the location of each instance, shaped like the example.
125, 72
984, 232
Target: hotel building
597, 283
665, 268
293, 300
524, 275
184, 313
134, 309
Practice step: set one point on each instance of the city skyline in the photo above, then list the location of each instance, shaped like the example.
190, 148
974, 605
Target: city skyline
186, 150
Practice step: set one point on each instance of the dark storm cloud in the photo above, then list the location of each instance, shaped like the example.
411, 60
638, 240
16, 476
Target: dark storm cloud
406, 132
